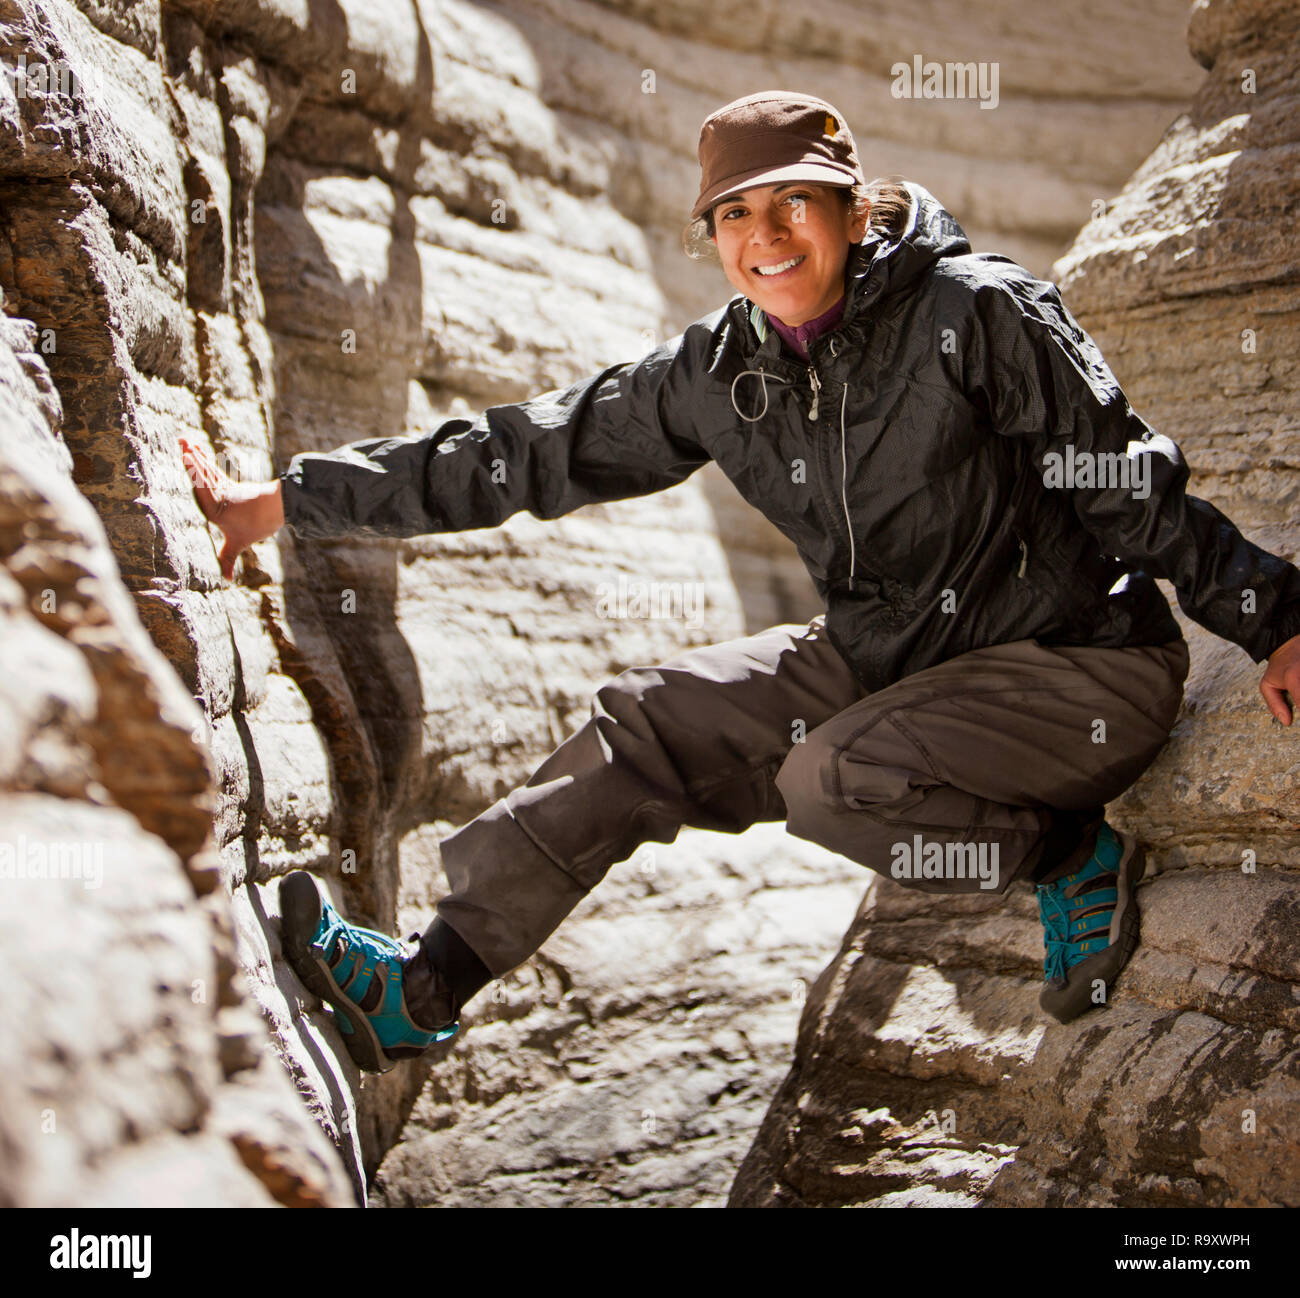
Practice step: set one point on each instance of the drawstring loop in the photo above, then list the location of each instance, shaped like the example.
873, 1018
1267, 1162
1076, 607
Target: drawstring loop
764, 376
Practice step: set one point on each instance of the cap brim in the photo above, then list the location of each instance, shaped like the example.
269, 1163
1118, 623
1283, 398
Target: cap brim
821, 173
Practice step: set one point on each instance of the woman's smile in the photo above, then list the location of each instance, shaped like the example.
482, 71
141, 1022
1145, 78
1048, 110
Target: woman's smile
770, 271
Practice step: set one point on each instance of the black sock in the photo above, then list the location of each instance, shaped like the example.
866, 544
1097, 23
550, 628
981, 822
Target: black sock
1067, 844
462, 970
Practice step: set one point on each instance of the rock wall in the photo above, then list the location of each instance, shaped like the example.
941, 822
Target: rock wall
924, 1072
272, 227
135, 1069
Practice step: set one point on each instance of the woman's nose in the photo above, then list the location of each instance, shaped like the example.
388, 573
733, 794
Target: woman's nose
768, 226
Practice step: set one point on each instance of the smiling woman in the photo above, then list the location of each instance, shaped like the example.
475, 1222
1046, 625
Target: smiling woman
981, 619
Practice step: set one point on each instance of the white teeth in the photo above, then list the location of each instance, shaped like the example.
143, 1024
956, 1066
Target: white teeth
776, 270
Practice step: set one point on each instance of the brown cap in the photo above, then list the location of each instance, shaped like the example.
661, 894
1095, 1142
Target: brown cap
770, 137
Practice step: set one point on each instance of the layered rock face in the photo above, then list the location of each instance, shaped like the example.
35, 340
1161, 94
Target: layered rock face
271, 227
136, 1070
924, 1071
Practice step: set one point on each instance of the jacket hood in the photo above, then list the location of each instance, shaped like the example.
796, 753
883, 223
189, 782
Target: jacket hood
882, 266
879, 266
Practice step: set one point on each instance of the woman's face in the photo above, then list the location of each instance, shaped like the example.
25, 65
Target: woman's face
774, 224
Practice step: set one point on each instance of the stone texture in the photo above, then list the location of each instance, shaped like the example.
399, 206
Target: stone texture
125, 1025
925, 1073
1183, 1091
271, 227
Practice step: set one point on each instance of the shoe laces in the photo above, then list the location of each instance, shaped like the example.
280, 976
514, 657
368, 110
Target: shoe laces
335, 938
1063, 902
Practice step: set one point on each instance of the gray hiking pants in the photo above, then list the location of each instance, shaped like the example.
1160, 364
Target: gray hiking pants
954, 779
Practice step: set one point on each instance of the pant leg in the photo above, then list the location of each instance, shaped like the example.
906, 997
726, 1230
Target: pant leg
994, 747
695, 741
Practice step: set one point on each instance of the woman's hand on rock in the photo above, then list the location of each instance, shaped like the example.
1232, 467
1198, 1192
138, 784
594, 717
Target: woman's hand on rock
246, 512
1282, 677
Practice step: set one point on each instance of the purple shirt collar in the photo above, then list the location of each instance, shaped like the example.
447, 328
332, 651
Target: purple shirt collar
799, 336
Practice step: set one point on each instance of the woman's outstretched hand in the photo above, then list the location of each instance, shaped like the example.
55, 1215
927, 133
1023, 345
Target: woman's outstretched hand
246, 512
1282, 674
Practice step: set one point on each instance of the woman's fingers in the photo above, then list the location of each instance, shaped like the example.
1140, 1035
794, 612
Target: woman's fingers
1276, 699
211, 491
229, 553
1282, 677
203, 473
205, 478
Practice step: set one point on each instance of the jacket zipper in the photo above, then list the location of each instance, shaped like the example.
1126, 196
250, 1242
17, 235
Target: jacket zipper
816, 385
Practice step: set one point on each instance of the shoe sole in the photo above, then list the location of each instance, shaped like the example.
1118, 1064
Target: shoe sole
1067, 1003
301, 908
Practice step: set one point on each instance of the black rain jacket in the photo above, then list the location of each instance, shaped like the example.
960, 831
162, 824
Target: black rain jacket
905, 461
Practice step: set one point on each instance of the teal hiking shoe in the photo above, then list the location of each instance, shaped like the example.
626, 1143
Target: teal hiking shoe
1090, 925
359, 973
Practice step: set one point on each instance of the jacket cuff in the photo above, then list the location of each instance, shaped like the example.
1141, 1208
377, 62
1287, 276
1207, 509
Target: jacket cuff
307, 520
1285, 627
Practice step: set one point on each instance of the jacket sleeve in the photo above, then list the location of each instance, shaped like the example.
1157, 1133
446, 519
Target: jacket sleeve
626, 431
1040, 376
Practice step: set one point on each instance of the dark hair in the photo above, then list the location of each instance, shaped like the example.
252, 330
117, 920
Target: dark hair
887, 202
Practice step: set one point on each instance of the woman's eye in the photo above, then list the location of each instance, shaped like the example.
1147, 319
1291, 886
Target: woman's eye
739, 211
